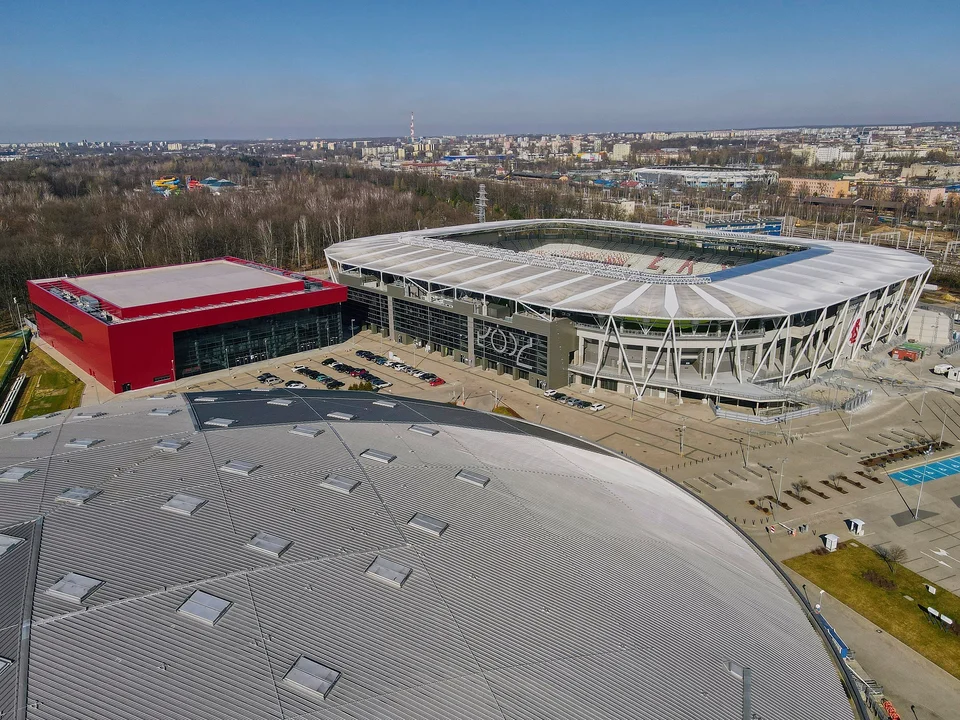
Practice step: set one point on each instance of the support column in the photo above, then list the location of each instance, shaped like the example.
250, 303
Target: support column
390, 325
472, 361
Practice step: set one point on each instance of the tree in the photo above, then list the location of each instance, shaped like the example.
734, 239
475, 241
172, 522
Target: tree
892, 555
362, 385
835, 481
800, 487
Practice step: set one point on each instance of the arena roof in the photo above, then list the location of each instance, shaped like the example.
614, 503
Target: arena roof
815, 273
149, 286
369, 569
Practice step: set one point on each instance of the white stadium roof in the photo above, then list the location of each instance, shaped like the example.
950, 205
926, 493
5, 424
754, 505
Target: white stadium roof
819, 274
370, 570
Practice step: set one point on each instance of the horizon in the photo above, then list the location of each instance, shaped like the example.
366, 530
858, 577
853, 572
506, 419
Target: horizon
107, 71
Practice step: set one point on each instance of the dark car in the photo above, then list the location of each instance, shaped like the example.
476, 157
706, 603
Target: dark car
559, 397
333, 384
329, 361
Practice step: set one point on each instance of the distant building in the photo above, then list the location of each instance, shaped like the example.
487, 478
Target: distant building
621, 152
816, 186
932, 171
705, 176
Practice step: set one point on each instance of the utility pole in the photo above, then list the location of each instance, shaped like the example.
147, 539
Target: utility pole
780, 486
481, 204
923, 477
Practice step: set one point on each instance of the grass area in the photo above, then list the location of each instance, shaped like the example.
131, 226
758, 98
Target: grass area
502, 409
51, 387
841, 574
9, 351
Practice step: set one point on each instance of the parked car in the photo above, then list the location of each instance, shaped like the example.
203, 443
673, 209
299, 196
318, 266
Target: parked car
329, 361
571, 401
274, 380
582, 404
549, 393
380, 360
296, 384
380, 384
333, 384
597, 407
559, 397
436, 382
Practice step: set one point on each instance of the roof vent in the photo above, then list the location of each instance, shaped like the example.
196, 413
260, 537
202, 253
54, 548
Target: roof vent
204, 607
474, 478
219, 422
269, 544
29, 435
423, 430
164, 412
339, 484
428, 524
88, 414
82, 442
77, 496
306, 430
171, 446
16, 474
239, 467
51, 415
8, 543
310, 676
388, 571
282, 402
183, 504
261, 389
74, 588
378, 456
385, 403
337, 415
4, 664
159, 396
205, 398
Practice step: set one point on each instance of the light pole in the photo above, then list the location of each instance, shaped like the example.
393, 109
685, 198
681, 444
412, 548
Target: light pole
681, 430
922, 400
749, 443
923, 477
780, 486
943, 427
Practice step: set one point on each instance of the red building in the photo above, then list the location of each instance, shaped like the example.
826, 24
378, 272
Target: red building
139, 328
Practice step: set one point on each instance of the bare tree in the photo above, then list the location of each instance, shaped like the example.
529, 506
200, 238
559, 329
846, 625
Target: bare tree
892, 555
800, 487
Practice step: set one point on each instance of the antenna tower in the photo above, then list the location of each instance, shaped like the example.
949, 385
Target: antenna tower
412, 141
481, 204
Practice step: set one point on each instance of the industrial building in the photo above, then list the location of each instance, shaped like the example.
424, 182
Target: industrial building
138, 328
704, 177
306, 554
630, 307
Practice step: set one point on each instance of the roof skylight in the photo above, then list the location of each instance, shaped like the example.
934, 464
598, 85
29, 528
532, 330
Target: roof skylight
239, 467
164, 412
473, 478
219, 422
204, 607
385, 403
337, 415
171, 446
378, 456
88, 414
306, 430
82, 442
8, 543
205, 399
74, 587
269, 544
428, 524
387, 571
159, 396
282, 402
77, 496
339, 484
29, 435
312, 677
16, 474
423, 430
183, 504
4, 664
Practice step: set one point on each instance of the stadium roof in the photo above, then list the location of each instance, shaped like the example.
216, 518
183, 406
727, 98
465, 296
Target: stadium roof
815, 274
365, 568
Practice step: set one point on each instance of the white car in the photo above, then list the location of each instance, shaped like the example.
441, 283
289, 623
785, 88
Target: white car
597, 407
549, 393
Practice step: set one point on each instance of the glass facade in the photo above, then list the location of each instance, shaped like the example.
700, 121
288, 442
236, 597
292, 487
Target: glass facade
57, 321
513, 347
218, 347
430, 323
367, 308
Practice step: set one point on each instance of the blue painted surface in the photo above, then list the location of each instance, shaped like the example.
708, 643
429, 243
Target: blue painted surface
934, 471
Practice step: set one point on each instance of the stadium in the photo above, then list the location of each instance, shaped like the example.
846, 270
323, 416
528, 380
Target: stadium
629, 307
274, 554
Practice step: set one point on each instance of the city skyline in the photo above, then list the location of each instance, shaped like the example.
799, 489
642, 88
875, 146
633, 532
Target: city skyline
121, 73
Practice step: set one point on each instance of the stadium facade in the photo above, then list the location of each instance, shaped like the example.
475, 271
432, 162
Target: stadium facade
630, 307
139, 328
704, 177
287, 553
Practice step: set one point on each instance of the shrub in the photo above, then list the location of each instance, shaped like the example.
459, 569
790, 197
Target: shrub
875, 578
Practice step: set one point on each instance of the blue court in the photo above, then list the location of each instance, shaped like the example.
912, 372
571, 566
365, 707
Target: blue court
934, 471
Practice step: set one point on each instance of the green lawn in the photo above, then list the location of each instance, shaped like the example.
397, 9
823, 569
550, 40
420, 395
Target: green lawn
9, 351
51, 387
841, 574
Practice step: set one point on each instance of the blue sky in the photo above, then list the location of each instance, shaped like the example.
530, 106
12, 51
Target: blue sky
106, 69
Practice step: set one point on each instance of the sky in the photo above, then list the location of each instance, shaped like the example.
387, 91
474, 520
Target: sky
134, 70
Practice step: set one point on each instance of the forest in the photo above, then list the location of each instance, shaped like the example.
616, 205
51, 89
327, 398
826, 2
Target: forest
98, 214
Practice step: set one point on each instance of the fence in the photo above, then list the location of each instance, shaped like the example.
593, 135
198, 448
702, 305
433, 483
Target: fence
6, 410
858, 401
765, 420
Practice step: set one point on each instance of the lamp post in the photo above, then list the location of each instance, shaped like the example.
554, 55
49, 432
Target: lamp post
780, 486
922, 401
681, 430
923, 477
